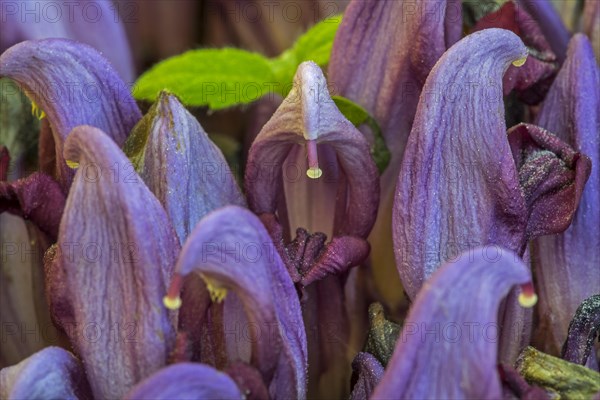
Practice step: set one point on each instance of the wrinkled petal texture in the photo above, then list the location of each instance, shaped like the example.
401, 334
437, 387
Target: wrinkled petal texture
308, 113
186, 381
569, 263
74, 85
458, 187
184, 169
451, 330
231, 250
381, 56
93, 22
114, 262
38, 198
51, 373
368, 372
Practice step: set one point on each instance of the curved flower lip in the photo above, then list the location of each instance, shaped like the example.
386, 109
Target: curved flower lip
232, 251
51, 373
115, 240
170, 136
448, 345
458, 187
367, 372
93, 22
186, 381
73, 85
308, 116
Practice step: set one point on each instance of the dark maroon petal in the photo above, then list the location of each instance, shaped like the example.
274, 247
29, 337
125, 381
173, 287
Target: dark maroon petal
458, 187
232, 251
110, 271
366, 372
569, 262
550, 22
382, 54
584, 329
38, 198
4, 163
178, 163
73, 85
532, 79
186, 381
52, 373
552, 177
249, 380
448, 345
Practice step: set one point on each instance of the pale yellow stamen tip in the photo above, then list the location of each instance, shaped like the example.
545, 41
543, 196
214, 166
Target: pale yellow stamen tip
528, 300
314, 172
172, 303
36, 111
72, 164
216, 291
519, 62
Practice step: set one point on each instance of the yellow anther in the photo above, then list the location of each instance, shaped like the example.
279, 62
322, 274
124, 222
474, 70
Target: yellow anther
314, 172
528, 300
172, 303
519, 62
36, 111
72, 164
216, 291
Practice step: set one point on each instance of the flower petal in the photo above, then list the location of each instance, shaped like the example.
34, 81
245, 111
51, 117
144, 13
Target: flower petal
115, 241
551, 24
38, 198
458, 187
591, 24
178, 162
381, 56
568, 263
73, 85
93, 22
51, 373
367, 371
583, 331
184, 381
447, 347
232, 251
552, 177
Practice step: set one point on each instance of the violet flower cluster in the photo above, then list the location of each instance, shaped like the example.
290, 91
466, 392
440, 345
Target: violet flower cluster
164, 278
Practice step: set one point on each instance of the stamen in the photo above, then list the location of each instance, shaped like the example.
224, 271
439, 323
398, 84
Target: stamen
519, 62
72, 164
172, 300
313, 171
36, 111
527, 298
216, 291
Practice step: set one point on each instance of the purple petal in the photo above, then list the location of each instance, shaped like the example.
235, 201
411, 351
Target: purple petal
52, 373
93, 22
448, 345
551, 24
115, 241
249, 380
552, 177
232, 251
591, 24
367, 372
178, 162
569, 262
38, 198
382, 54
186, 381
531, 80
74, 85
458, 187
517, 386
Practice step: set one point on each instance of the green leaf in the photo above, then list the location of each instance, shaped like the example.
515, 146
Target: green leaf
358, 116
219, 78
